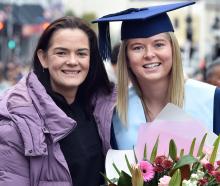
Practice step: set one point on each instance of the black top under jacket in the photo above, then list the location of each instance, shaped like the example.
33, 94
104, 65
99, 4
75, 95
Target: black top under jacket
82, 148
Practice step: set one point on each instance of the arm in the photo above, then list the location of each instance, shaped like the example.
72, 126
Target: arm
14, 166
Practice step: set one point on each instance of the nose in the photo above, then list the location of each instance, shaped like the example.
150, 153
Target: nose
149, 52
72, 60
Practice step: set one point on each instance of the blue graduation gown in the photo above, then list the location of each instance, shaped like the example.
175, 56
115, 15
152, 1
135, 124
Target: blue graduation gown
201, 101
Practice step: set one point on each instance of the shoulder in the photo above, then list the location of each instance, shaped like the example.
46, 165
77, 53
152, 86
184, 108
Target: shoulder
191, 83
14, 165
199, 89
10, 136
103, 98
199, 101
16, 95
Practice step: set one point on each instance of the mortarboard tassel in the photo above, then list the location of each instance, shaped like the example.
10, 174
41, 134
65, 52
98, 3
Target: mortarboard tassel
104, 41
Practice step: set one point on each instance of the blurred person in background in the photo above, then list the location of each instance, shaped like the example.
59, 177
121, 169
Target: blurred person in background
150, 57
199, 75
55, 122
212, 75
4, 84
216, 48
13, 72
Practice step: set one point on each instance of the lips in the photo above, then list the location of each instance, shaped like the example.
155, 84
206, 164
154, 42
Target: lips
151, 65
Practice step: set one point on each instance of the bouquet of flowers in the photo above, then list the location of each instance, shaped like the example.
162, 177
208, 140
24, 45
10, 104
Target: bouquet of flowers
198, 168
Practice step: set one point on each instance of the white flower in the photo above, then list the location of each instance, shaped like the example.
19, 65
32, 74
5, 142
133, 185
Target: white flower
189, 183
194, 177
200, 174
164, 181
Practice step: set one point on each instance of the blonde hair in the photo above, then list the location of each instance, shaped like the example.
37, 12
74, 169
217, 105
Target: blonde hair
176, 85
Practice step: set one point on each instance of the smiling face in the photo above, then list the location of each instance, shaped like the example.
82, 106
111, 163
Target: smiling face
150, 59
67, 59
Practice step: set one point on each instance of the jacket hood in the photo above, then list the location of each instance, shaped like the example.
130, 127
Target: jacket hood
35, 114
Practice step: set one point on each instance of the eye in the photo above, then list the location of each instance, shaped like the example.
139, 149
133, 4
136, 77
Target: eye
83, 54
138, 48
159, 44
61, 53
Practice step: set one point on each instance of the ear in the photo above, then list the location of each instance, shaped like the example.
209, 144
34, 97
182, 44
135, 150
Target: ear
42, 58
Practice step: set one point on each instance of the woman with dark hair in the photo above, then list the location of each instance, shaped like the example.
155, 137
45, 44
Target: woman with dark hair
55, 123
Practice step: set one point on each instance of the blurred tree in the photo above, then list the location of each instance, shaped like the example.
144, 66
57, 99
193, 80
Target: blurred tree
69, 13
89, 17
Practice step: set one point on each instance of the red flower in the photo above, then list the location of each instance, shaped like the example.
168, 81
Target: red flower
209, 167
167, 164
216, 174
159, 159
158, 169
202, 182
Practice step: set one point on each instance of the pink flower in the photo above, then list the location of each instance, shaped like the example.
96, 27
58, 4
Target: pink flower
164, 181
147, 170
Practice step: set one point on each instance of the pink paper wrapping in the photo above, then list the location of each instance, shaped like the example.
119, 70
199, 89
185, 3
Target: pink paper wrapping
182, 132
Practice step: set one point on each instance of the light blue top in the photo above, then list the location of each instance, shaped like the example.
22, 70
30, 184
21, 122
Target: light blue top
198, 102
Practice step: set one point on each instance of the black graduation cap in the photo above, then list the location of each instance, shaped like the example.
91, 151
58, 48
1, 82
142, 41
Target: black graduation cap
136, 23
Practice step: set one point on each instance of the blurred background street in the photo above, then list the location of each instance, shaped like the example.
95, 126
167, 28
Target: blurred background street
197, 28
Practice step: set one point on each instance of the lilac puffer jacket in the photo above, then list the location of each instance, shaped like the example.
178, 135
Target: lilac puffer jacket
30, 127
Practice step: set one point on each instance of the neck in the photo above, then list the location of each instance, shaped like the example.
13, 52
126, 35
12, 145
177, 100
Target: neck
70, 98
68, 94
154, 98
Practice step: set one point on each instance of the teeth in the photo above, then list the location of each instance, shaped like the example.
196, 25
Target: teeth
151, 65
71, 72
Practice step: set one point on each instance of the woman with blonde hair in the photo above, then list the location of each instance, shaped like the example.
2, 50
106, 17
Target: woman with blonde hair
150, 57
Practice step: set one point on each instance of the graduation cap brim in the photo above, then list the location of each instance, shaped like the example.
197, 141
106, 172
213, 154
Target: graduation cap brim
137, 23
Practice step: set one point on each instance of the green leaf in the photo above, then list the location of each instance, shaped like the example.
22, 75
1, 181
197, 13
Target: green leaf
185, 160
154, 151
128, 164
116, 168
172, 150
181, 153
124, 179
106, 178
201, 146
145, 152
202, 156
192, 147
175, 179
135, 157
215, 150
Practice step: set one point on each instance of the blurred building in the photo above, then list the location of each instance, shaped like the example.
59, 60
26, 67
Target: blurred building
21, 23
196, 27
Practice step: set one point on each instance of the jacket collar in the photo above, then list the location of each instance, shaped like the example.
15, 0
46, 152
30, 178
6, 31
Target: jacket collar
56, 122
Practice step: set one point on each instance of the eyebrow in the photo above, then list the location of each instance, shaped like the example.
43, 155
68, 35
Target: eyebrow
161, 39
80, 49
83, 49
59, 48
